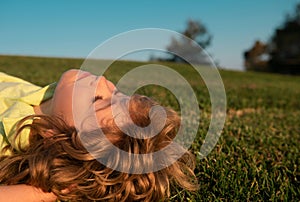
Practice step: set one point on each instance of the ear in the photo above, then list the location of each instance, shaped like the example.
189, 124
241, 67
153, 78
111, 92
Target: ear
48, 133
69, 189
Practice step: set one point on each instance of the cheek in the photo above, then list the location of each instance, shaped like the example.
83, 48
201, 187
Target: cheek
62, 104
105, 117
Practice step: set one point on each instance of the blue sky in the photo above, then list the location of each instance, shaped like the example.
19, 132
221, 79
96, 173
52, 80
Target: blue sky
74, 28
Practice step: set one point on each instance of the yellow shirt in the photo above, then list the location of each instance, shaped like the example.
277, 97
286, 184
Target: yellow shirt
17, 98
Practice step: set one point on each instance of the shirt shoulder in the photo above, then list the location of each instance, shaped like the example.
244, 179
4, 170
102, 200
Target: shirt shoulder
17, 98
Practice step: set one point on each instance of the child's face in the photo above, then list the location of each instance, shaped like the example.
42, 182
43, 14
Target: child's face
79, 93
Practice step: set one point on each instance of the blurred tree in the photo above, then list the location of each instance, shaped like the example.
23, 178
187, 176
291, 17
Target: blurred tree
282, 53
256, 58
285, 45
186, 48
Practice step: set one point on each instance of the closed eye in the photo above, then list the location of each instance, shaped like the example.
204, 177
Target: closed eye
98, 97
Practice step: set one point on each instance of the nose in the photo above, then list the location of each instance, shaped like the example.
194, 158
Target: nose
105, 88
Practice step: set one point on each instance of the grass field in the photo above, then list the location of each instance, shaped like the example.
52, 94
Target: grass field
257, 156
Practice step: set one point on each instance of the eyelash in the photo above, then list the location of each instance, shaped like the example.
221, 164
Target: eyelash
97, 98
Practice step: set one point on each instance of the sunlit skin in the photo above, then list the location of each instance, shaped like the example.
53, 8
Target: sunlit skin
77, 94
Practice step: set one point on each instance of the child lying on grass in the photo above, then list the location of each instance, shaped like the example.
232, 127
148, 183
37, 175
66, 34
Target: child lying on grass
43, 157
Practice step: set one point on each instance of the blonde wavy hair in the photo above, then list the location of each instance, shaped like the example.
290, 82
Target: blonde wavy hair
59, 161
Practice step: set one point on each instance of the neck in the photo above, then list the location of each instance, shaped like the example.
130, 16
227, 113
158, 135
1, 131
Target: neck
45, 108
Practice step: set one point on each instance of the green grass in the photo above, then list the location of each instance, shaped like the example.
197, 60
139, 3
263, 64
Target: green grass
257, 156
